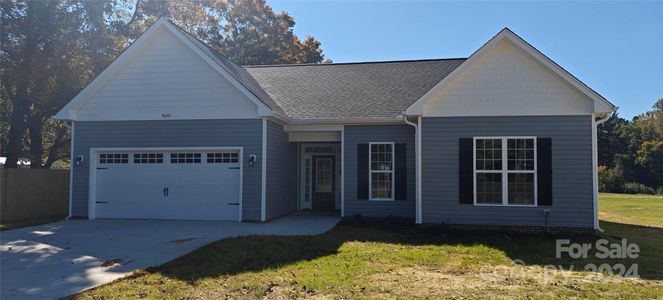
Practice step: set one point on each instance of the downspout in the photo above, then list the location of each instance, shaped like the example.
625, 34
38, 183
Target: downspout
71, 167
595, 162
417, 151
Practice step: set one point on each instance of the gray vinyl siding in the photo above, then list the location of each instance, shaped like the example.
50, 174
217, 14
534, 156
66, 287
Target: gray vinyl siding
245, 133
355, 135
571, 161
281, 172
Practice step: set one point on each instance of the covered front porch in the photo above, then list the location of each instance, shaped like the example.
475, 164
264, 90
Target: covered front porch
319, 167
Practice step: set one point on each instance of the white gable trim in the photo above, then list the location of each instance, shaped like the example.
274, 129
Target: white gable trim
600, 103
68, 112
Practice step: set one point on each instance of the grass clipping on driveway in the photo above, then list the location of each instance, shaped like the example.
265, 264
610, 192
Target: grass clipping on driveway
386, 260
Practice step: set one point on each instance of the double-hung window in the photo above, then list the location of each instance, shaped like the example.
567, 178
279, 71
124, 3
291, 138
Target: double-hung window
381, 171
505, 171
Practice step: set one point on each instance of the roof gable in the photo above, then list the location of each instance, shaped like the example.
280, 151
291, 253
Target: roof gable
72, 111
597, 102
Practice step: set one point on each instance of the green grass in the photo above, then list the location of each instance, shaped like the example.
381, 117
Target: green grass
644, 210
14, 225
387, 260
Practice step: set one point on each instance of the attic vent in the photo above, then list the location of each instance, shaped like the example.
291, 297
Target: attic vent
321, 149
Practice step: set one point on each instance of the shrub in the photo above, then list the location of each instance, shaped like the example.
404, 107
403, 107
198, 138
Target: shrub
637, 188
610, 180
659, 190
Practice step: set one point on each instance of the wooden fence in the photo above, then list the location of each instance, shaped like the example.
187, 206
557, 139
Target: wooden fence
30, 194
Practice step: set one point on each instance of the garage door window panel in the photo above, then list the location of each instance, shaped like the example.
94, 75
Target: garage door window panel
113, 158
223, 158
148, 158
185, 158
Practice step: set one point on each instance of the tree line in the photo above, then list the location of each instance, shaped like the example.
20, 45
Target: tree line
631, 153
51, 49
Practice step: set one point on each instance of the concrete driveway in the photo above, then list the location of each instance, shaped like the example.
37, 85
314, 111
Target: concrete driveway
59, 259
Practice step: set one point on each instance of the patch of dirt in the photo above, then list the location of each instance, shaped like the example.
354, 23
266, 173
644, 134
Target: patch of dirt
506, 281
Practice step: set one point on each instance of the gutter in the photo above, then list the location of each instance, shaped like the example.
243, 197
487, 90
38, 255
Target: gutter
351, 121
417, 151
595, 162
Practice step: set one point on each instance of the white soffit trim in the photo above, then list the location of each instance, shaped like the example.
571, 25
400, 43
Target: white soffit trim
68, 112
315, 136
600, 103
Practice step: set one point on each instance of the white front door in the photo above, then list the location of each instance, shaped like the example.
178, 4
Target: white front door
180, 185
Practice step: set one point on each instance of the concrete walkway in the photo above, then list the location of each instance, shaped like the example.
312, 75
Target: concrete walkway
59, 259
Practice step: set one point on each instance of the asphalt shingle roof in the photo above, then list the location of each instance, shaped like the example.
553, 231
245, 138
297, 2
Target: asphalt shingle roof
350, 90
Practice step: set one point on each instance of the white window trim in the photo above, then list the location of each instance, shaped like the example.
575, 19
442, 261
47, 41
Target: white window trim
370, 172
505, 171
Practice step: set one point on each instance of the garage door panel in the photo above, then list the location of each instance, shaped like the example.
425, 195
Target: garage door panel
182, 186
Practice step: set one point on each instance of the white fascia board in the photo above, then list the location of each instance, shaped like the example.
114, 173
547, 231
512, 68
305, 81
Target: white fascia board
313, 127
65, 115
604, 107
263, 109
68, 112
600, 103
557, 69
417, 108
353, 121
280, 119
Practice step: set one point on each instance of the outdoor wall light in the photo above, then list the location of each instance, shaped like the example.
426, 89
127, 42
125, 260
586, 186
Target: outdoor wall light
79, 160
252, 160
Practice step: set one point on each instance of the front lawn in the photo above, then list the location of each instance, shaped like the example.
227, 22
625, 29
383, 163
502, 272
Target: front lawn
386, 260
644, 210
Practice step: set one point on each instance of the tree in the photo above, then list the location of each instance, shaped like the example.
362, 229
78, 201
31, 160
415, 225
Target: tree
52, 49
248, 32
632, 149
657, 114
611, 141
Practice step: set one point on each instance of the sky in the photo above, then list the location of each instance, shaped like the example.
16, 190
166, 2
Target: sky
614, 47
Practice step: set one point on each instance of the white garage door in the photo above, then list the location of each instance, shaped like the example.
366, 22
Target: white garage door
182, 185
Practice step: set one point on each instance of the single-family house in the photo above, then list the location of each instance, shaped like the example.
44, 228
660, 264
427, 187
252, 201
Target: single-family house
172, 129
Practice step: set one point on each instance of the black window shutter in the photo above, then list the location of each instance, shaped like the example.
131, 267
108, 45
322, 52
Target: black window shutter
362, 171
400, 172
544, 171
465, 170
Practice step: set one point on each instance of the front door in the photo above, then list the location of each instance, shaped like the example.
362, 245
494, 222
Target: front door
323, 182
